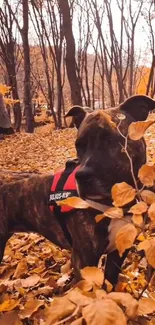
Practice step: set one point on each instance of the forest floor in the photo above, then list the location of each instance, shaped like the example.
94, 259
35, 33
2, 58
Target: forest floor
33, 269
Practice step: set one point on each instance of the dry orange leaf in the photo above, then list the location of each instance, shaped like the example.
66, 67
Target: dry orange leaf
30, 307
148, 196
114, 213
139, 208
149, 247
59, 308
105, 312
125, 238
21, 269
150, 253
30, 281
84, 285
122, 193
78, 298
144, 245
99, 217
137, 219
8, 305
151, 212
146, 306
126, 300
93, 275
74, 202
136, 130
146, 175
10, 318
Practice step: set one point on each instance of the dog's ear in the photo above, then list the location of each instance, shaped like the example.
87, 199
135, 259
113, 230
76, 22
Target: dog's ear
138, 107
78, 113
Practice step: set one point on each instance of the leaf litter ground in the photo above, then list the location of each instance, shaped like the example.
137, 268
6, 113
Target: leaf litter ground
34, 270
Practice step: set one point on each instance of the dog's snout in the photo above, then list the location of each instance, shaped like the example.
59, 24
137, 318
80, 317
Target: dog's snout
84, 174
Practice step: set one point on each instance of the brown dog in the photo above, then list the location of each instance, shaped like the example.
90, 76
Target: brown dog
24, 204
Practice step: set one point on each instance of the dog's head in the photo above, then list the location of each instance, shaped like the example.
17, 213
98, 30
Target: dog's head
100, 142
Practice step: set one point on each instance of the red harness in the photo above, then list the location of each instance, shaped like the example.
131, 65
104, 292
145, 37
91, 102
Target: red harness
64, 186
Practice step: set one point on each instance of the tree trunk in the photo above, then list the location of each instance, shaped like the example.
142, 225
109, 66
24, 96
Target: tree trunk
26, 50
70, 53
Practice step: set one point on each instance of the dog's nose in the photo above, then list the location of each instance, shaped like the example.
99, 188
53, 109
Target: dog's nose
84, 174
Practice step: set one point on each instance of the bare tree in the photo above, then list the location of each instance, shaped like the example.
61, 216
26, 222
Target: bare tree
9, 56
70, 52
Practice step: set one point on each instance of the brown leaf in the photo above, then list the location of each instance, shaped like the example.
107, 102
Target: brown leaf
126, 300
149, 252
8, 305
78, 298
136, 130
148, 196
99, 217
93, 275
139, 208
100, 294
21, 269
30, 281
137, 219
144, 245
151, 212
146, 306
146, 175
125, 238
114, 213
122, 193
74, 202
149, 247
30, 307
105, 312
10, 318
60, 308
84, 285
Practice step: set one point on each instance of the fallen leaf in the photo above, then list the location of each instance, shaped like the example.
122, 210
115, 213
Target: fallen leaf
84, 285
146, 306
74, 202
126, 300
146, 174
138, 208
122, 193
10, 318
30, 307
8, 305
93, 275
78, 298
59, 308
21, 269
105, 312
136, 130
125, 238
30, 281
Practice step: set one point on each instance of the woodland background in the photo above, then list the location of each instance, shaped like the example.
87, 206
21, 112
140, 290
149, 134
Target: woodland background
62, 52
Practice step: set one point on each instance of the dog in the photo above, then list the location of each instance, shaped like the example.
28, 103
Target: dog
25, 205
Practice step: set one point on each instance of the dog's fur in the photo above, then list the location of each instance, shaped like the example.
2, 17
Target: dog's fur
23, 204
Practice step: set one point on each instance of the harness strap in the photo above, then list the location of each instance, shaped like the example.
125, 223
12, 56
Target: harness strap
62, 181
